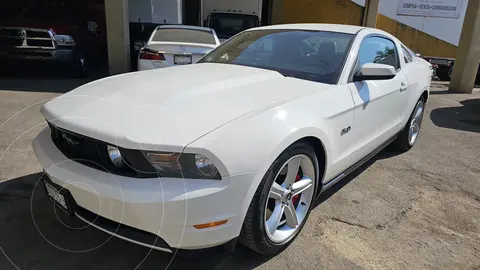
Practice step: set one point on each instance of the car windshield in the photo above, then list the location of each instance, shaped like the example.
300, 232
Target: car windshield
311, 55
183, 35
226, 25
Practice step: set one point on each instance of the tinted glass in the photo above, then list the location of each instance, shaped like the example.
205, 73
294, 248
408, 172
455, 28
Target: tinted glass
407, 55
183, 35
227, 25
310, 55
378, 50
412, 53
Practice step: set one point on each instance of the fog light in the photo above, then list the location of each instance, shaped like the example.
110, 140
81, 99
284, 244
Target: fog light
209, 225
115, 156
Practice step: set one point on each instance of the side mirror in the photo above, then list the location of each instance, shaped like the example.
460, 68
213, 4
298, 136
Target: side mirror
372, 71
418, 55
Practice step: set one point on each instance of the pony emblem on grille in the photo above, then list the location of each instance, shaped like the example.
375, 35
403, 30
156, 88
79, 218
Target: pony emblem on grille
69, 140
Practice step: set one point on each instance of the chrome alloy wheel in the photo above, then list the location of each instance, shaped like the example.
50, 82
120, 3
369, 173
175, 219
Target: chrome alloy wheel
416, 123
289, 199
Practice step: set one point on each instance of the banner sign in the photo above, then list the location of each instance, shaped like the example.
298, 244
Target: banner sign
431, 8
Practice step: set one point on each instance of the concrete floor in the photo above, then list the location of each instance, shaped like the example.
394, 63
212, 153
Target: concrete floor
417, 210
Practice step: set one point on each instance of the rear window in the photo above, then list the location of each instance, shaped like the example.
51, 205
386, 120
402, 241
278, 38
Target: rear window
183, 35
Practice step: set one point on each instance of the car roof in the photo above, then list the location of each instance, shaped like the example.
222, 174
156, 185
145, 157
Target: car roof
341, 28
181, 26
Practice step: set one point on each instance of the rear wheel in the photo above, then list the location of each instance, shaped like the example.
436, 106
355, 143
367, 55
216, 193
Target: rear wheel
282, 202
409, 135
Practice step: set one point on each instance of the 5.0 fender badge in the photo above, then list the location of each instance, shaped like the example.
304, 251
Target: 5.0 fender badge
346, 130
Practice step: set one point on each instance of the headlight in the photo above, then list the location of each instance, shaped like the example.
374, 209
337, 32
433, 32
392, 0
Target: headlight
178, 165
64, 40
205, 166
115, 156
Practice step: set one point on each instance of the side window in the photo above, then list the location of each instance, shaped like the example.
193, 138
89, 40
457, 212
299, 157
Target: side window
260, 47
378, 50
407, 56
267, 45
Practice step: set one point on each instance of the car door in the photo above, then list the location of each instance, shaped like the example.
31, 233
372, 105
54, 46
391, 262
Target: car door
415, 76
379, 104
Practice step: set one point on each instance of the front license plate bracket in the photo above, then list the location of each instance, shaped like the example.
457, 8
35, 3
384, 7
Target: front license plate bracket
60, 196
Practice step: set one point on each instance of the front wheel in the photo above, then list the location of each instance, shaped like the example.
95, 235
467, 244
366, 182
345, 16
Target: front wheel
282, 202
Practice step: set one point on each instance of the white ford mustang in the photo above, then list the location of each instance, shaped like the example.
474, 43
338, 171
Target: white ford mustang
237, 146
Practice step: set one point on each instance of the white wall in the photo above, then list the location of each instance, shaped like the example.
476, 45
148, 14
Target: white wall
155, 11
245, 6
445, 29
140, 9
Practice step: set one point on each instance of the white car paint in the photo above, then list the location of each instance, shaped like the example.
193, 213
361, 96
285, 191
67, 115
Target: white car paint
239, 117
375, 69
172, 49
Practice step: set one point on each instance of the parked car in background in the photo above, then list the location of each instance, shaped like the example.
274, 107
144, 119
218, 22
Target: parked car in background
444, 67
236, 146
26, 47
171, 45
140, 33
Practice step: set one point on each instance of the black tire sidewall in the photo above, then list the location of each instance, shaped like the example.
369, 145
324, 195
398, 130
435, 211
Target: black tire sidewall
264, 243
403, 142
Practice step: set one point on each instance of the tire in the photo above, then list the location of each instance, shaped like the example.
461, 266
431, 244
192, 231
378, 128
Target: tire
404, 141
254, 233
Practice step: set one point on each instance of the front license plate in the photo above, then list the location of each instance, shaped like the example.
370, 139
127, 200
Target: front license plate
58, 195
182, 59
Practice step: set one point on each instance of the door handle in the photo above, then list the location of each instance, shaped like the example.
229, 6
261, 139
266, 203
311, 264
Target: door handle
403, 87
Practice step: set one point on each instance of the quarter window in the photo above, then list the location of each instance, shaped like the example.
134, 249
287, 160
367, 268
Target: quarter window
407, 56
378, 50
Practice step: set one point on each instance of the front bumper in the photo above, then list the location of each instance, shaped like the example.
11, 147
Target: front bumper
53, 56
165, 207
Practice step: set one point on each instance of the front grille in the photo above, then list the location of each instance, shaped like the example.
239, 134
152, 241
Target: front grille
10, 42
93, 153
39, 43
37, 34
13, 37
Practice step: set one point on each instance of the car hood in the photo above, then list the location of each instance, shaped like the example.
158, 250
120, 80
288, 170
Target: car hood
168, 108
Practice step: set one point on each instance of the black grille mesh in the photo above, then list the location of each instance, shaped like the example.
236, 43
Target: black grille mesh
93, 153
39, 43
